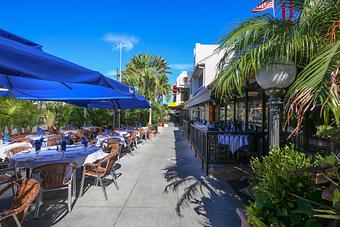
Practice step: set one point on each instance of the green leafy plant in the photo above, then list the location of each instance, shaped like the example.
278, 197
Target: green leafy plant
276, 180
328, 132
19, 115
62, 113
327, 178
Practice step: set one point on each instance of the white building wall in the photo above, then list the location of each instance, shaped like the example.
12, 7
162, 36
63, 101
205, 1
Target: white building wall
202, 51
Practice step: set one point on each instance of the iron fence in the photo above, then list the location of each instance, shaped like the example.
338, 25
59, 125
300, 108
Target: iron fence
215, 147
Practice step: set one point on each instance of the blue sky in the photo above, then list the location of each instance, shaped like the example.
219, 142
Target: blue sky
84, 31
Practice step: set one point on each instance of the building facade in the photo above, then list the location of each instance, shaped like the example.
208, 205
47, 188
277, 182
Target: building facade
201, 104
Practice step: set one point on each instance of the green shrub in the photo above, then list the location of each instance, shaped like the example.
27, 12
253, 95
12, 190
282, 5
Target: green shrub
278, 186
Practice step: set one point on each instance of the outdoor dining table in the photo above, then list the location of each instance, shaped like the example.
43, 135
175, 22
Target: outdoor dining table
68, 131
101, 138
75, 154
88, 128
121, 132
4, 148
37, 137
235, 142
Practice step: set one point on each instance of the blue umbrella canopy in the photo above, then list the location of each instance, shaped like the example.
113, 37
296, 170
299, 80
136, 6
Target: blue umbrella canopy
24, 58
33, 89
27, 72
11, 36
137, 102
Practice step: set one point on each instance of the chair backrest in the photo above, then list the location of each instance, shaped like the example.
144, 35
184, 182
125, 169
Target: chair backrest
52, 176
16, 150
53, 140
111, 160
22, 139
72, 137
142, 131
107, 143
27, 191
114, 147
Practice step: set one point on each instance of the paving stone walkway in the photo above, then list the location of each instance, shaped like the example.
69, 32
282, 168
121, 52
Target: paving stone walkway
166, 162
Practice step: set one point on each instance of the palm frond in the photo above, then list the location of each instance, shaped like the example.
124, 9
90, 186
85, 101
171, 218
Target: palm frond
314, 83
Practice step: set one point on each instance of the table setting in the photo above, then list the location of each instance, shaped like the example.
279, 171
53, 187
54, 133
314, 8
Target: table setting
4, 148
74, 154
101, 138
235, 142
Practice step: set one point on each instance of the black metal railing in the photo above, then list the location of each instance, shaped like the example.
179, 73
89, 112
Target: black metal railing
199, 140
215, 147
186, 128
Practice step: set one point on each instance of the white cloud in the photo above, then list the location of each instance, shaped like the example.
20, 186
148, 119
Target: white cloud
127, 41
181, 66
110, 73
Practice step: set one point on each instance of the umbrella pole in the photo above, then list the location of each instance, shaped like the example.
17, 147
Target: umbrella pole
114, 119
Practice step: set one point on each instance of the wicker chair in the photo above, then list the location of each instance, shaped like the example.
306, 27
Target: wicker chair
16, 150
115, 148
8, 175
53, 140
131, 141
27, 191
52, 177
100, 169
22, 139
73, 138
142, 133
107, 143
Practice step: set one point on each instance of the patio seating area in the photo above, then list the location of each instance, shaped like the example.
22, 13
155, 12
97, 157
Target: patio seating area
134, 190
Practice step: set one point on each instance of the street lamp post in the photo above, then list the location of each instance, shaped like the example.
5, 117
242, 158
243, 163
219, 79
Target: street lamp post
274, 79
120, 75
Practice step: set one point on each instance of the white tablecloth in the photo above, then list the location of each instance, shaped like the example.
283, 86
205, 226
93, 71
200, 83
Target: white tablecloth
67, 131
78, 155
37, 137
203, 127
102, 138
89, 127
235, 142
121, 133
6, 147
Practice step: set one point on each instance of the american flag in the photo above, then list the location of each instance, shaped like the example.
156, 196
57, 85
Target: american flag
264, 6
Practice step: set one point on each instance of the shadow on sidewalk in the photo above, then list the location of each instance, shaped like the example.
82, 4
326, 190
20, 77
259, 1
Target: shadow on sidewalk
207, 196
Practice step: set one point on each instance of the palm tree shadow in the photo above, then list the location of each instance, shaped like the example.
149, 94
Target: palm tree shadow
206, 195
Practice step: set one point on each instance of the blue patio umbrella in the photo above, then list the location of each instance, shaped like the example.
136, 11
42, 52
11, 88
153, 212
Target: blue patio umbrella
33, 89
136, 102
24, 58
27, 72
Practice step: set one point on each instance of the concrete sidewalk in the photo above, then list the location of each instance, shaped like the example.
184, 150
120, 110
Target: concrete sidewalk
165, 162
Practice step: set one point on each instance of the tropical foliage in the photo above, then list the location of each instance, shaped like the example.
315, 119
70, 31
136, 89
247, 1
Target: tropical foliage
61, 115
19, 115
310, 39
149, 74
288, 192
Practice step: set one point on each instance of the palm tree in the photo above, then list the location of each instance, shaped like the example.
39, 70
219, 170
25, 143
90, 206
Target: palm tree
163, 88
310, 39
148, 73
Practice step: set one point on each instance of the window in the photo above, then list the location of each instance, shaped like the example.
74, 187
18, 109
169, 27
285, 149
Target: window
200, 80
